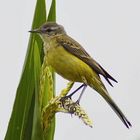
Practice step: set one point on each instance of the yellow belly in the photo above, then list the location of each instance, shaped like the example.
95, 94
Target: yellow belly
68, 66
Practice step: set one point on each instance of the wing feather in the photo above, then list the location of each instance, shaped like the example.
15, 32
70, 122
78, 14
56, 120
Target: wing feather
76, 49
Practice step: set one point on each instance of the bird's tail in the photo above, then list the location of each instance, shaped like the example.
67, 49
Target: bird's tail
116, 109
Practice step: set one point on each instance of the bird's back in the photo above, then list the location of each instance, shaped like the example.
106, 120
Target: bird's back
70, 66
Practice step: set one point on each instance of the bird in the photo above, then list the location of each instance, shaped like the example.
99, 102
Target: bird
70, 60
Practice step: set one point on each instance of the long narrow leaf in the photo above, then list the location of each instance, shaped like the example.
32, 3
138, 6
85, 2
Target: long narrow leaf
25, 122
51, 131
37, 133
21, 120
52, 12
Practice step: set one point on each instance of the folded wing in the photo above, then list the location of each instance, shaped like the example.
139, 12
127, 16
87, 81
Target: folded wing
76, 49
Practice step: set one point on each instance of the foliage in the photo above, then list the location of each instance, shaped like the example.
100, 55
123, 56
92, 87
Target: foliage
26, 116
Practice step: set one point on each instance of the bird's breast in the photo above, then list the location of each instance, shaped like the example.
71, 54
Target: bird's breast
67, 65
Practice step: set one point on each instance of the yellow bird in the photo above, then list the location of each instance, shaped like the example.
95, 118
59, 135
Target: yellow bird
70, 60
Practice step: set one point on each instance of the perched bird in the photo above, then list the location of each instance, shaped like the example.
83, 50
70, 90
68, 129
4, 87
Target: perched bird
70, 60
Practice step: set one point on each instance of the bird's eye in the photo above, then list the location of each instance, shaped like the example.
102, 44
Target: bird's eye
44, 26
48, 30
45, 29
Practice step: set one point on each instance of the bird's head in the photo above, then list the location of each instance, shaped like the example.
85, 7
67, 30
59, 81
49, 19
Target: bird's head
49, 29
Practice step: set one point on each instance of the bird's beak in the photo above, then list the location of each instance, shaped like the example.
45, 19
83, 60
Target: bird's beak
35, 31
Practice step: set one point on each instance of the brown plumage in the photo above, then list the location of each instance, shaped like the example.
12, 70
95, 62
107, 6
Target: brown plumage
70, 60
76, 49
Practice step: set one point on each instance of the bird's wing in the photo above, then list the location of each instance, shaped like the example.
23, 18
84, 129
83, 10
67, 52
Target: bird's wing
76, 49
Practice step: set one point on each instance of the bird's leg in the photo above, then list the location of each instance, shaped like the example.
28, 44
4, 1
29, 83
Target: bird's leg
63, 99
78, 101
69, 96
75, 91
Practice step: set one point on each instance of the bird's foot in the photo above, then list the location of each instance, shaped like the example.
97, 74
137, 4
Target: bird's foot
64, 99
68, 104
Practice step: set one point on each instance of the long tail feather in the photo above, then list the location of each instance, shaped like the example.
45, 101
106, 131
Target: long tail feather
107, 76
117, 110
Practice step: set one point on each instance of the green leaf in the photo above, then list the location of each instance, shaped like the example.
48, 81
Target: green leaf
52, 12
25, 121
21, 121
37, 132
51, 131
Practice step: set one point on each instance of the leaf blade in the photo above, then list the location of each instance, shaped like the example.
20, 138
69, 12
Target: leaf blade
25, 91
